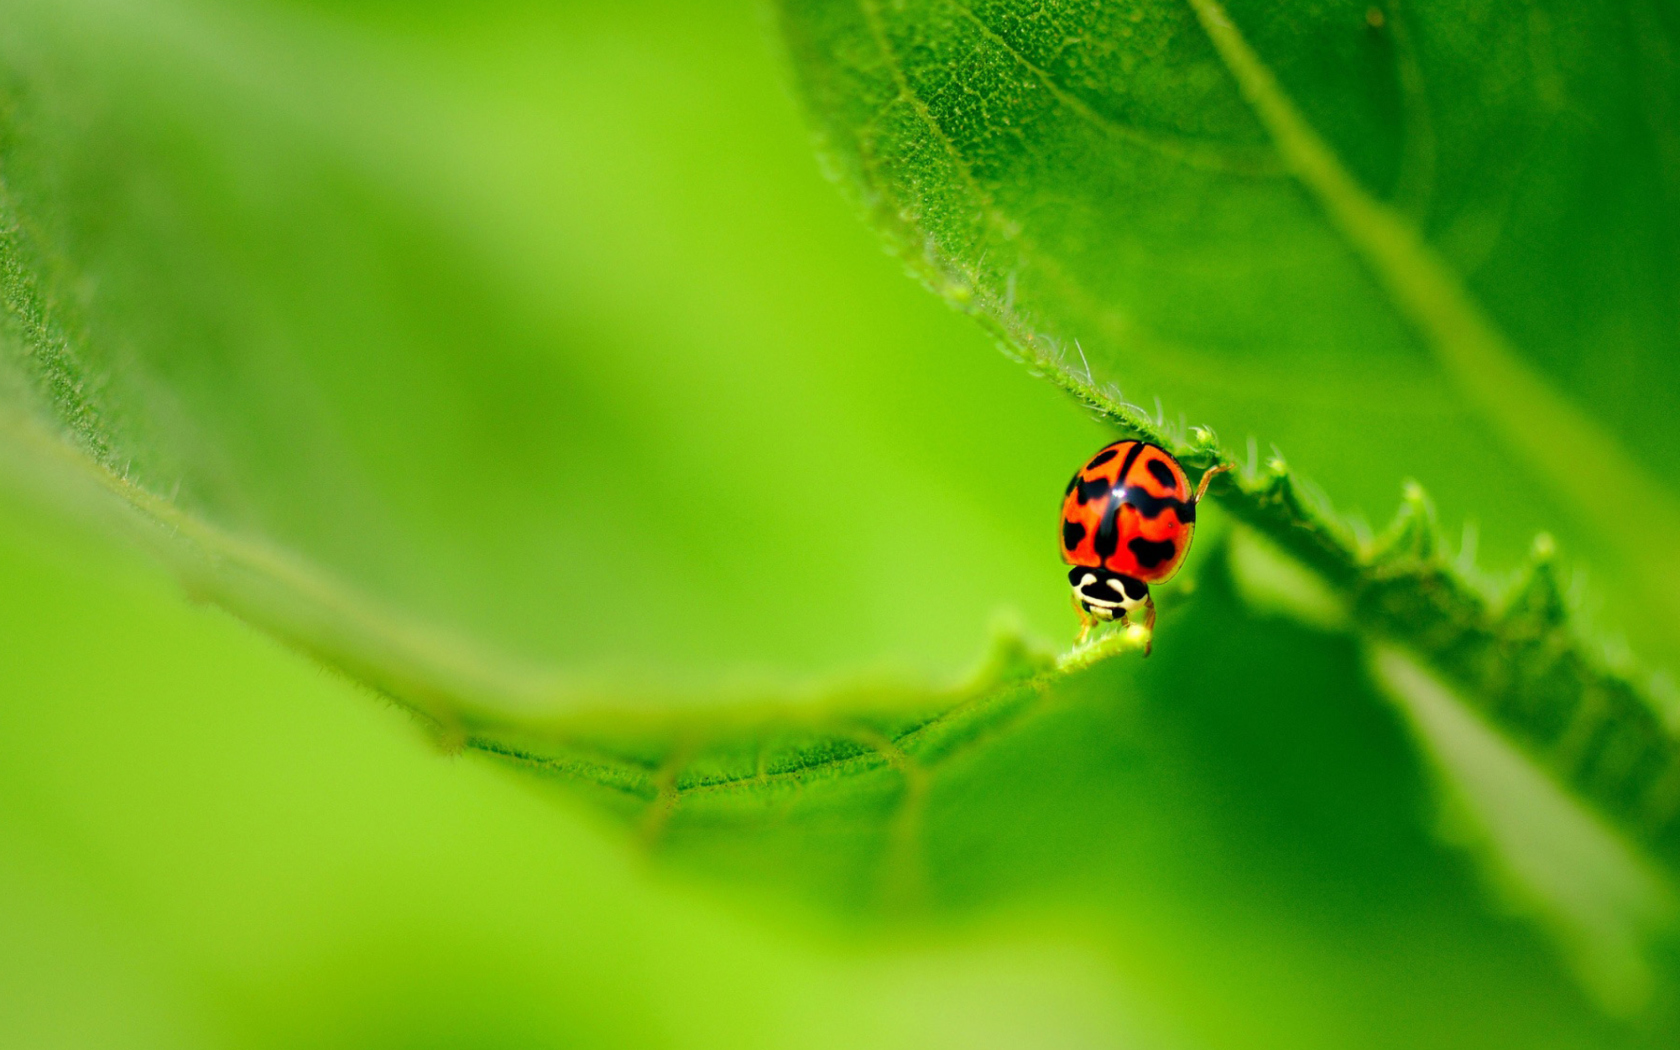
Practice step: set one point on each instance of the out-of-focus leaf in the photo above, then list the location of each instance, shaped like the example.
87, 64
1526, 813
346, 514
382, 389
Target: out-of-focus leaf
211, 844
531, 322
1138, 853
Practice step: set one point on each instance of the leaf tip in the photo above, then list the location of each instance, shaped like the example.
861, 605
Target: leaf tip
1414, 534
1538, 599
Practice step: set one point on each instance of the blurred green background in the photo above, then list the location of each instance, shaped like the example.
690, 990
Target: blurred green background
540, 324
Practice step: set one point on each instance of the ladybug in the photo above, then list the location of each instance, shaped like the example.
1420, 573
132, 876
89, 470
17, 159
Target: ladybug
1127, 519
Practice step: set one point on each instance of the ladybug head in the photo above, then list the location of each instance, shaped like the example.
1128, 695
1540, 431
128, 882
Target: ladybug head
1107, 595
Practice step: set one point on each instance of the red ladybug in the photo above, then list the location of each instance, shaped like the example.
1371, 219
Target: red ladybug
1127, 520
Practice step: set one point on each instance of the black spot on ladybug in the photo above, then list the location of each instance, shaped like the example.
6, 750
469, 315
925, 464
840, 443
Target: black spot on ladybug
1071, 483
1102, 457
1131, 457
1163, 473
1072, 533
1150, 553
1108, 532
1090, 490
1150, 505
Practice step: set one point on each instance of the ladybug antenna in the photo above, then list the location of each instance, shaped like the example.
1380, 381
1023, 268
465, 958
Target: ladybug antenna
1207, 476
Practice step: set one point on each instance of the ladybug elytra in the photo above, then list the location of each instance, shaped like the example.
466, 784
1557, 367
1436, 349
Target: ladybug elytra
1127, 519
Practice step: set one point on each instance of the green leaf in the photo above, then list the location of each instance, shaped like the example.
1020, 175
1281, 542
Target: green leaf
1265, 217
1431, 242
1160, 852
211, 844
1376, 235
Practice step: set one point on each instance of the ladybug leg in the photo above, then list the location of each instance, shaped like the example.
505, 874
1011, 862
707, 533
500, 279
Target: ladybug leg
1149, 623
1086, 620
1207, 476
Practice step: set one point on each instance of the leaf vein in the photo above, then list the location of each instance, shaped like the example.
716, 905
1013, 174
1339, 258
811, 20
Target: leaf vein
1206, 155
